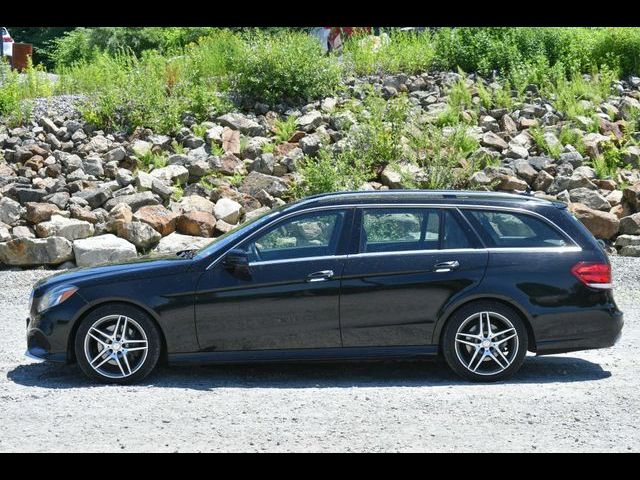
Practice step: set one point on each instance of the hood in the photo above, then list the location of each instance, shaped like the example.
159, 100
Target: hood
140, 267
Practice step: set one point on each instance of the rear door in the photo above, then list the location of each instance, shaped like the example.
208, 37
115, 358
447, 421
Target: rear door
406, 264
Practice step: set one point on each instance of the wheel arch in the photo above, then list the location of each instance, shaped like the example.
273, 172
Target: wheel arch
90, 307
446, 315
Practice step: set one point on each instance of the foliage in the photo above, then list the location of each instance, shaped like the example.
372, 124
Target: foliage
284, 129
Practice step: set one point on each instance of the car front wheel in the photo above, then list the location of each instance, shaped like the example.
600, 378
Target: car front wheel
117, 343
485, 341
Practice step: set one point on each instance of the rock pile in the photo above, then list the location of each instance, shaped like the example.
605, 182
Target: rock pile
70, 193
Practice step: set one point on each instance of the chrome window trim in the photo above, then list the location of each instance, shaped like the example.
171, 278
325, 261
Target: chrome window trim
299, 259
568, 248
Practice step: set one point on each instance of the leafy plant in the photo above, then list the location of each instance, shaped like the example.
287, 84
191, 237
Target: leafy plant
284, 129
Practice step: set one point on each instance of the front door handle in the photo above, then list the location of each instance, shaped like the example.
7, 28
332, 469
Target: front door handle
320, 276
446, 266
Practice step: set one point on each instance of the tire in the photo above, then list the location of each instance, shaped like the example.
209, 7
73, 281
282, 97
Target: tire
481, 358
108, 361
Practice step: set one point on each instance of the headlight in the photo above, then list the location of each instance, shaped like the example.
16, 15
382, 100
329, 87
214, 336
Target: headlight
55, 296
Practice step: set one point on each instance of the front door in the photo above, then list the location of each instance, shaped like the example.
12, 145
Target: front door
290, 299
409, 263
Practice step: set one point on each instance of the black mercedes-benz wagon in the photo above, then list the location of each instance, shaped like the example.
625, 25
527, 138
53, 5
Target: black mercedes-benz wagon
479, 278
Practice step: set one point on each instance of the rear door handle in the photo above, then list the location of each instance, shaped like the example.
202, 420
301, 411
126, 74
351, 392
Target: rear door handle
320, 276
446, 266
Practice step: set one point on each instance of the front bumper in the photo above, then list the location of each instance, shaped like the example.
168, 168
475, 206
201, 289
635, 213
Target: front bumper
49, 332
603, 334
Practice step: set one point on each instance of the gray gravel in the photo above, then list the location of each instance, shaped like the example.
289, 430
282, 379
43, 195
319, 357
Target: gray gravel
583, 401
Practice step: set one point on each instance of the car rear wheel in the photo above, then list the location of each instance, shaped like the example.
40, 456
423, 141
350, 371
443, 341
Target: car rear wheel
117, 343
485, 341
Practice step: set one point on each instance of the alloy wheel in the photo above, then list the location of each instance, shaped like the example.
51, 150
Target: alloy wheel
116, 346
486, 343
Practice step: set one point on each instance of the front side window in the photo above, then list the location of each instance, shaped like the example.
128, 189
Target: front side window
307, 235
404, 229
519, 230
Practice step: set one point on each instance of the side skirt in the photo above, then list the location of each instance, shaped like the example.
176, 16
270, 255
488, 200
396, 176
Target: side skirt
306, 354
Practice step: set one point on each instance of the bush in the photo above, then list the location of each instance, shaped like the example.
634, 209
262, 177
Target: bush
285, 67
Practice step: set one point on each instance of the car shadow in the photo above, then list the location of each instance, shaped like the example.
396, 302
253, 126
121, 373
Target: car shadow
540, 370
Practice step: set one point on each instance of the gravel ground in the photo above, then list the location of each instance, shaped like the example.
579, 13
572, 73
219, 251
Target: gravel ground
583, 401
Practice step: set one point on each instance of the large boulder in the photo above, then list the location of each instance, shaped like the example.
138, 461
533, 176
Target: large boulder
201, 224
69, 228
176, 242
228, 210
103, 249
142, 235
590, 198
36, 251
631, 195
601, 224
492, 140
158, 217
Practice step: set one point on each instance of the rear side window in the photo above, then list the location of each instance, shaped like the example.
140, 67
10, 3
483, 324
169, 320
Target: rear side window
518, 230
403, 229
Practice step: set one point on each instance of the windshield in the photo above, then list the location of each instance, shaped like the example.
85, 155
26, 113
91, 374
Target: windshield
235, 234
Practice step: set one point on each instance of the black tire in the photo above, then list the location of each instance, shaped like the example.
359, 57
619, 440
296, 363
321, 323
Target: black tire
488, 369
139, 324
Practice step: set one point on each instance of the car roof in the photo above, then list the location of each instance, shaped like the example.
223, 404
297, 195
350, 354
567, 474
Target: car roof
457, 197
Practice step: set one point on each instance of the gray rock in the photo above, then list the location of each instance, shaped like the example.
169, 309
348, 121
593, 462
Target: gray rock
630, 225
310, 144
193, 203
36, 251
540, 163
239, 121
524, 170
60, 199
625, 240
264, 164
227, 210
93, 166
309, 121
574, 158
115, 155
69, 228
10, 211
176, 242
26, 194
142, 235
95, 197
103, 249
543, 181
492, 140
171, 173
630, 251
255, 182
590, 198
517, 151
140, 148
135, 200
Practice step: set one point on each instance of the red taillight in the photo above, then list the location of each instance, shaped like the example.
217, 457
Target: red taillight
593, 274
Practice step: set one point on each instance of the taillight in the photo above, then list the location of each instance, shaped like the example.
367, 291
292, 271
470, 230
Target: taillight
593, 274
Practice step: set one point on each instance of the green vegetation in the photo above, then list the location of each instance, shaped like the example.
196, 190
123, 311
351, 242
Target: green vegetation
152, 161
284, 129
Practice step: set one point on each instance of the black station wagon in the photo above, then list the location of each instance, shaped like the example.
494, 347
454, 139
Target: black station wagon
479, 278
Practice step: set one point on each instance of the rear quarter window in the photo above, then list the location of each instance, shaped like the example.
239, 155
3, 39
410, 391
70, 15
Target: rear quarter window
515, 230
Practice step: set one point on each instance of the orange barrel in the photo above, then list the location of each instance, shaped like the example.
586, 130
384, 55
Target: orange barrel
21, 54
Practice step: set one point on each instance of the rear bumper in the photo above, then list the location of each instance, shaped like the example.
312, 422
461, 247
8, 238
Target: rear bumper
607, 333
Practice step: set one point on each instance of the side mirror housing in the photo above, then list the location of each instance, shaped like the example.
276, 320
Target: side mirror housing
236, 261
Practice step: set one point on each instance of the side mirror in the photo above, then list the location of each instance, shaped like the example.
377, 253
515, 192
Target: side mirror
236, 261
